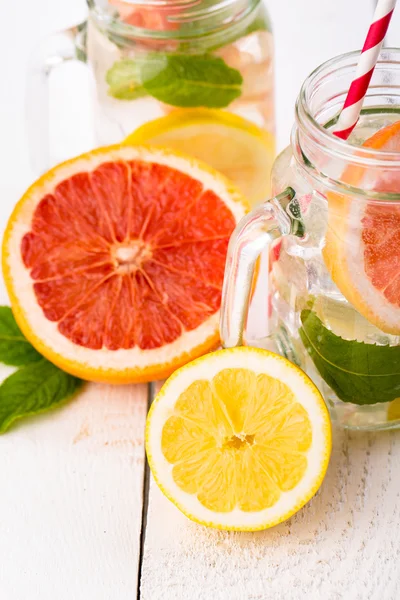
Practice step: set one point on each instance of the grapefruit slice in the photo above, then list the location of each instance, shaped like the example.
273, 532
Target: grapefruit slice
114, 262
362, 251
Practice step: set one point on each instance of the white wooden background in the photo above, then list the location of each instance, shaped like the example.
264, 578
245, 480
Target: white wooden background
73, 523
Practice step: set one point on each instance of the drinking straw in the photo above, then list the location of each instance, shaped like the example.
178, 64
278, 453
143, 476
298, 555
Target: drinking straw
349, 116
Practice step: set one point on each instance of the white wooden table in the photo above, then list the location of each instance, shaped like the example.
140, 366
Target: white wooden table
81, 518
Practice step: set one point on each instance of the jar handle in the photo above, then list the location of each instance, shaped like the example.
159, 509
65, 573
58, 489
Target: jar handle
54, 51
254, 233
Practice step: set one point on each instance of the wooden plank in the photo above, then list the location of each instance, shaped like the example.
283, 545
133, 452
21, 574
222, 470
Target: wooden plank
71, 480
344, 544
71, 500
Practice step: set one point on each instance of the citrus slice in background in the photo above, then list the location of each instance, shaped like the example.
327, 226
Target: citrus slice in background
362, 250
144, 17
234, 146
114, 262
239, 439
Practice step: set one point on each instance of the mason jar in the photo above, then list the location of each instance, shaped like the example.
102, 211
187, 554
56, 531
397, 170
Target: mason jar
193, 75
331, 234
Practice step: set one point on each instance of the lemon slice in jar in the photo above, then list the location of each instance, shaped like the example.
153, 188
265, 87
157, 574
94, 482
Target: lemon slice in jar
239, 439
230, 144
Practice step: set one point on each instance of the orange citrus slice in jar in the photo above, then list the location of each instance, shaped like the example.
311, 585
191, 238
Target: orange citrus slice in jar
114, 262
362, 250
239, 439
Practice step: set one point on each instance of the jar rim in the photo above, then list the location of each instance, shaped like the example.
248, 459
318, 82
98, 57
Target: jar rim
179, 12
334, 146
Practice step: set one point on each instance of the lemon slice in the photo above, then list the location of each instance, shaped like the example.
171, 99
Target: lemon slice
234, 146
393, 413
239, 439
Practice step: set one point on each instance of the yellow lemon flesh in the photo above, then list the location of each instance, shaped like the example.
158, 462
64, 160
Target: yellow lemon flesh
239, 439
230, 144
393, 412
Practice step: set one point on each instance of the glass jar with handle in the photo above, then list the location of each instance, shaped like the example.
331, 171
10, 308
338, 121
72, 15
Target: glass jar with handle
194, 75
332, 234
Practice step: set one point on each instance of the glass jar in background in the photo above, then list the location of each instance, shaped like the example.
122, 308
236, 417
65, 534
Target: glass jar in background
332, 234
192, 75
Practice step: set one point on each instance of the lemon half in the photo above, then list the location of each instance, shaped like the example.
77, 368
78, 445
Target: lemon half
239, 439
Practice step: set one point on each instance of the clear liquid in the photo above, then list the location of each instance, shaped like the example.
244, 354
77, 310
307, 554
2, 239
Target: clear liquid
252, 55
301, 280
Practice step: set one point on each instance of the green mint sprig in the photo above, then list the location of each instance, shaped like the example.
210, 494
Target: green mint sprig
37, 385
125, 81
185, 81
359, 373
15, 350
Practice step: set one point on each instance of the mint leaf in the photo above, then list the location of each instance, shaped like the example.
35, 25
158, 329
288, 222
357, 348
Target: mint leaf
191, 81
359, 373
176, 79
124, 80
34, 389
15, 349
38, 385
293, 209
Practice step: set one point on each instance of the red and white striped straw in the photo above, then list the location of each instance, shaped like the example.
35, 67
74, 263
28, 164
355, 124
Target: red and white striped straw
369, 55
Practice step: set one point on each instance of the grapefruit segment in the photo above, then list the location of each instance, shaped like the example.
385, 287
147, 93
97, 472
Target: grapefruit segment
363, 239
114, 262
